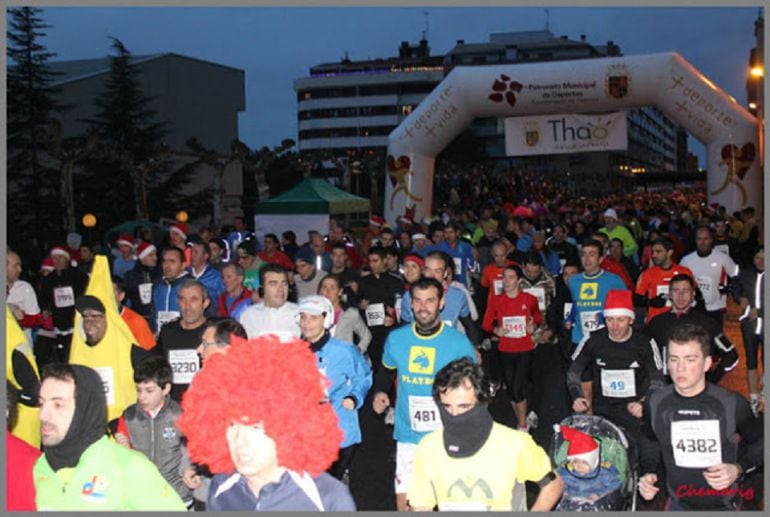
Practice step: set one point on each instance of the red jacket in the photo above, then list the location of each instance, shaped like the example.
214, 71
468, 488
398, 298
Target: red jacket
20, 457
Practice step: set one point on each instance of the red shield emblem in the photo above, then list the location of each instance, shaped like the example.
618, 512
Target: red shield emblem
617, 86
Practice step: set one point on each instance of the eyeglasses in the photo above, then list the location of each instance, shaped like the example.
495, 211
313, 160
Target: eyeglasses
206, 344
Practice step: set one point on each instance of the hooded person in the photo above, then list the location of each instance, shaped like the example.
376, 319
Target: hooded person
104, 342
100, 474
21, 372
242, 422
586, 478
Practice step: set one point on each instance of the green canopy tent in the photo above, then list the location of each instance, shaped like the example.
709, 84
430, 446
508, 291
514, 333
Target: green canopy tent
305, 207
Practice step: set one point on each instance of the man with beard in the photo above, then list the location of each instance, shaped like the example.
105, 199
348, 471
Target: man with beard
81, 468
413, 354
473, 451
653, 284
682, 292
164, 292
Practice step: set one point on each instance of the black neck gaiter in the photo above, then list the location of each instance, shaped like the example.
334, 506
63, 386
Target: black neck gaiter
89, 422
465, 434
319, 344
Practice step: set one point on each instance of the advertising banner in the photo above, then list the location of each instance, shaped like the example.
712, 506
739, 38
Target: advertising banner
565, 133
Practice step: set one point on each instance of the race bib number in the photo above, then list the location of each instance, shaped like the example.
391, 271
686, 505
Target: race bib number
514, 326
145, 293
108, 383
166, 316
618, 383
539, 293
184, 365
63, 297
663, 289
423, 414
589, 321
375, 314
458, 266
498, 285
696, 443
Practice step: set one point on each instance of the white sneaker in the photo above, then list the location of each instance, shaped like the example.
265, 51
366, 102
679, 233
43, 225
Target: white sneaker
532, 419
390, 416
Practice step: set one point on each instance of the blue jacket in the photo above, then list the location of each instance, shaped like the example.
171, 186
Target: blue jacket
212, 280
164, 297
290, 493
350, 375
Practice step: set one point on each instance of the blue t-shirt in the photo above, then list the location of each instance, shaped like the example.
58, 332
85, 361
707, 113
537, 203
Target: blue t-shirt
455, 307
416, 360
462, 256
588, 296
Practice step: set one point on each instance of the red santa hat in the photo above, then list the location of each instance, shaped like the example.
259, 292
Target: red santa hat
416, 259
619, 303
581, 446
376, 220
47, 264
145, 249
180, 228
126, 239
60, 250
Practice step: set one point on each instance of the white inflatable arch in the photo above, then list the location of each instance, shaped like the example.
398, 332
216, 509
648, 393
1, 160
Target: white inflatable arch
666, 80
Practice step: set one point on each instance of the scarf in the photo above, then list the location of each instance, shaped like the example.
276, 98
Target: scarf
465, 434
88, 423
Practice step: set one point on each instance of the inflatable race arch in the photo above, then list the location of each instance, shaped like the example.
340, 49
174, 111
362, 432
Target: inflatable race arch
666, 81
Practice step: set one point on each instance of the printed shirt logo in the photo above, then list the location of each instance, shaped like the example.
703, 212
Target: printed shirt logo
422, 360
589, 290
94, 490
468, 490
169, 433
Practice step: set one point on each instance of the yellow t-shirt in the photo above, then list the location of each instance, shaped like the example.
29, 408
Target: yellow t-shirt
492, 479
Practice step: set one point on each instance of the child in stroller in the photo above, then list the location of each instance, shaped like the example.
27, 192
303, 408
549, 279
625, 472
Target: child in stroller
595, 470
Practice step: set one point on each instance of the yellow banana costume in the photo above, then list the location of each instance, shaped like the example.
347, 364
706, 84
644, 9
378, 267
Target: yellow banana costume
28, 422
111, 357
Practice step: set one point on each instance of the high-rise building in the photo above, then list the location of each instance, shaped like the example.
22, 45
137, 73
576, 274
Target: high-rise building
356, 104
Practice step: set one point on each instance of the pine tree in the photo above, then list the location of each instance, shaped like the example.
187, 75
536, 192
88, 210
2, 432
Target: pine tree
133, 151
33, 201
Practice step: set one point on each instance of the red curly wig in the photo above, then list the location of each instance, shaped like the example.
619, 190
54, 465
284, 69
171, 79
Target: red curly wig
262, 380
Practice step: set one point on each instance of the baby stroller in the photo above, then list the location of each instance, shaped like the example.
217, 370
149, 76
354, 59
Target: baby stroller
614, 451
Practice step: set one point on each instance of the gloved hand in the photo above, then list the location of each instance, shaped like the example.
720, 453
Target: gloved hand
658, 302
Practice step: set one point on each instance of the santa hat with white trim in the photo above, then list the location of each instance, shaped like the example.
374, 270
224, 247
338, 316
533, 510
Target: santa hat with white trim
144, 249
180, 228
60, 250
126, 239
619, 303
581, 446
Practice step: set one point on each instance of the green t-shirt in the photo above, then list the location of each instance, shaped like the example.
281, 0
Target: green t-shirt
107, 477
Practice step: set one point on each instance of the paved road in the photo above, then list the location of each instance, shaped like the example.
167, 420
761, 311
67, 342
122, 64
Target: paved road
372, 468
